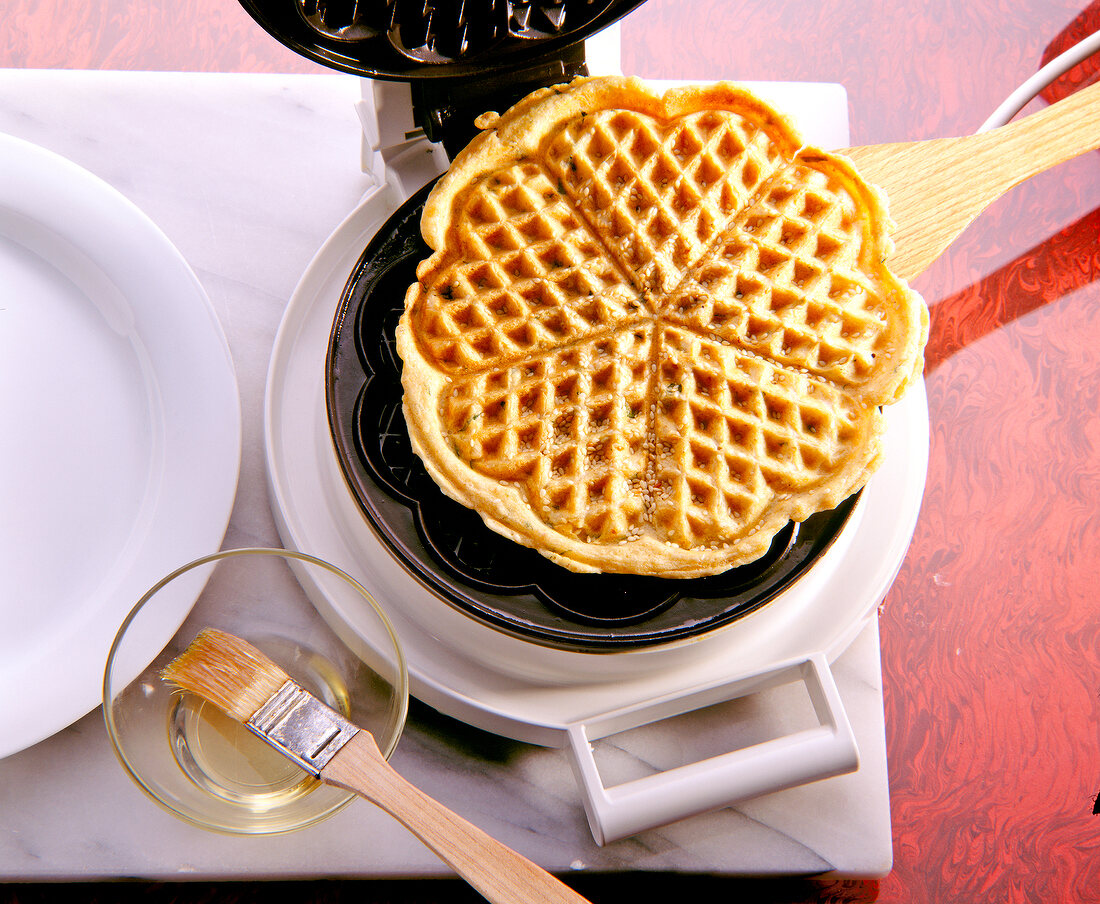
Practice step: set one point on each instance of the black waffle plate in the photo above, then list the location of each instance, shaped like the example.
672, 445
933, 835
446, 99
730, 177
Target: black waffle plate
429, 39
449, 549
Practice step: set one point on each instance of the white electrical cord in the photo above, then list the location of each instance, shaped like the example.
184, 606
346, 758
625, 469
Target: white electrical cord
1061, 64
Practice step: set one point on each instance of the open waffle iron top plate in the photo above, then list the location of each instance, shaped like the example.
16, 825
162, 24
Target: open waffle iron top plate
433, 39
449, 549
459, 57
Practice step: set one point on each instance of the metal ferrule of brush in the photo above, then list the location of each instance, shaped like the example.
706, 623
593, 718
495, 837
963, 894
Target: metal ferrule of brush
301, 727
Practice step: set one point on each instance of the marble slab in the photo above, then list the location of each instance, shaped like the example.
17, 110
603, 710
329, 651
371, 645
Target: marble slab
247, 175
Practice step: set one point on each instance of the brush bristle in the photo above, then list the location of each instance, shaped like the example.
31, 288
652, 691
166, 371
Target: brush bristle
229, 672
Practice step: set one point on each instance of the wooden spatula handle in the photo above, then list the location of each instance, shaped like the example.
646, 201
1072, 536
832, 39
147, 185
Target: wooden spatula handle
1054, 135
936, 188
495, 870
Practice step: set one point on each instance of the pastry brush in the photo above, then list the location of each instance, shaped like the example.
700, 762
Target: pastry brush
243, 682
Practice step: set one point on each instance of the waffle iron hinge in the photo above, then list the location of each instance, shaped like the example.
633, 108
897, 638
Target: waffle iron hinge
445, 108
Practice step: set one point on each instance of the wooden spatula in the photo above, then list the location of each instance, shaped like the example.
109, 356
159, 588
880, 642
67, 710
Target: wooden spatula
936, 188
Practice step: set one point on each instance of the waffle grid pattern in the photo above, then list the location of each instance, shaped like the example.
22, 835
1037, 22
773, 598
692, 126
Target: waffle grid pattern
659, 329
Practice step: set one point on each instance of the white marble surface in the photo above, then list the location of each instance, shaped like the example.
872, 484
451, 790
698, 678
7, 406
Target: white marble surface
247, 175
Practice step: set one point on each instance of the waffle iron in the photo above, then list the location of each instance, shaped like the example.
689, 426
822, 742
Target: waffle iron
462, 58
496, 635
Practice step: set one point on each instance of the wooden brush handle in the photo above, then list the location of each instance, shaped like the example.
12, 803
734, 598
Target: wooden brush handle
496, 871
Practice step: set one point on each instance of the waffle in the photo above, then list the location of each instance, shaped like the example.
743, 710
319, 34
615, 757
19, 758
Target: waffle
653, 329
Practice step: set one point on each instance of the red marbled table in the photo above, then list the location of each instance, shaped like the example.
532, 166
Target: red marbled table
991, 635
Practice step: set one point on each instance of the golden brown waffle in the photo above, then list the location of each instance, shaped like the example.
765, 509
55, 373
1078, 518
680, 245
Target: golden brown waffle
654, 329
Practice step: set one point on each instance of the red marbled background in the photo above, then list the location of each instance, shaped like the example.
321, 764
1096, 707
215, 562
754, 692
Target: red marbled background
991, 644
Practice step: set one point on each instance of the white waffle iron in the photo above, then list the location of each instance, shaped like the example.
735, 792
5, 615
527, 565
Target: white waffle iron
557, 697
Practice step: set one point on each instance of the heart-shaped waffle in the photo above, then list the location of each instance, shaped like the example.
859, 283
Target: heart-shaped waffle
654, 329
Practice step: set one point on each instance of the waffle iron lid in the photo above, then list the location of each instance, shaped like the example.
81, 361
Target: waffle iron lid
434, 39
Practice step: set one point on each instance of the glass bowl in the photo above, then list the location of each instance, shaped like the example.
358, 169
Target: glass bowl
195, 761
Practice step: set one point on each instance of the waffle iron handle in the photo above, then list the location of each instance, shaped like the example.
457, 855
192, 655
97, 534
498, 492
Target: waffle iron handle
807, 755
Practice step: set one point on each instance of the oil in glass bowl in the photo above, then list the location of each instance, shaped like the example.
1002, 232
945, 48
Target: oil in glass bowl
196, 761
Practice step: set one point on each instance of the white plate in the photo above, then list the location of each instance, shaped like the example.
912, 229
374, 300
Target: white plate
121, 437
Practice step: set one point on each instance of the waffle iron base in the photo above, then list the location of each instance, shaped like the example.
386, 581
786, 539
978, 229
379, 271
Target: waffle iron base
448, 547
